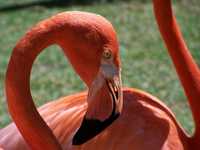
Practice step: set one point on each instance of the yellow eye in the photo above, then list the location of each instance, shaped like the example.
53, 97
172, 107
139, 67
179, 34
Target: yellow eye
107, 54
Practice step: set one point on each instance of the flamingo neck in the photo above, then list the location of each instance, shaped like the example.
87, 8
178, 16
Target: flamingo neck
20, 103
186, 67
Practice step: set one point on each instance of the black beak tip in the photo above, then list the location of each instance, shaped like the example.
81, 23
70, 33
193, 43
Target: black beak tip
90, 128
76, 141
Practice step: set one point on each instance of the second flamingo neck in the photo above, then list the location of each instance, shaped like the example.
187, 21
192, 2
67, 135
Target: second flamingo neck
185, 65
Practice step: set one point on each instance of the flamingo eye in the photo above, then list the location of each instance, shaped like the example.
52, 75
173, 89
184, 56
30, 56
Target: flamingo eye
107, 54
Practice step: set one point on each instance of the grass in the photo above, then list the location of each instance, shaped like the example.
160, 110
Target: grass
146, 64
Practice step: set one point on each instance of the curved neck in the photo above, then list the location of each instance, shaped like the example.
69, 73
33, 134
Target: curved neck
186, 67
22, 109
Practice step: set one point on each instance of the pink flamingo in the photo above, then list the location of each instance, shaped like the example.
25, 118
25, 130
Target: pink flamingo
90, 43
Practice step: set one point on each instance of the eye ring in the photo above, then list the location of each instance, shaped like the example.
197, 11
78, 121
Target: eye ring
107, 54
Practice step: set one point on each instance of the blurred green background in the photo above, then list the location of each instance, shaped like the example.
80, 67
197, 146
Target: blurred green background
145, 61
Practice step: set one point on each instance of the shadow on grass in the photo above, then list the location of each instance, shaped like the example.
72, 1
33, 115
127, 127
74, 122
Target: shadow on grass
46, 3
58, 3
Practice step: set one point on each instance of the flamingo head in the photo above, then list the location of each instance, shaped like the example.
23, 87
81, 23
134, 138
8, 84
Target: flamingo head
102, 73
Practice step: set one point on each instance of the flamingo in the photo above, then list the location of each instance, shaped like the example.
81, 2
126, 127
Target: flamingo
95, 119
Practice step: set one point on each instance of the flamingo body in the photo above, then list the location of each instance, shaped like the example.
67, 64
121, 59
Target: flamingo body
151, 125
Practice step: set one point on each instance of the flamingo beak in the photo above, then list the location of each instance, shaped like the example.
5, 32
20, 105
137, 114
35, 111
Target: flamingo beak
93, 123
115, 91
